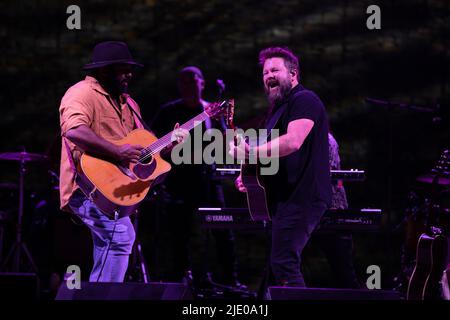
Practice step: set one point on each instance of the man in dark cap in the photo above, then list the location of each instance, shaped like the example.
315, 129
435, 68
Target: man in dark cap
191, 186
94, 112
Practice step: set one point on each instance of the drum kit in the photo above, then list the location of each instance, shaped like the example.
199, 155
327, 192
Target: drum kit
436, 206
19, 259
19, 254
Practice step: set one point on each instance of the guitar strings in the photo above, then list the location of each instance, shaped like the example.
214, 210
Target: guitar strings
166, 139
151, 150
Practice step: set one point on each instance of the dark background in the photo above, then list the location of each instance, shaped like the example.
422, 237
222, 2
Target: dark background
406, 61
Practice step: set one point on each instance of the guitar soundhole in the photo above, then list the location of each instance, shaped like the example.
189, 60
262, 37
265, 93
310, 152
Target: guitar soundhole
143, 170
147, 160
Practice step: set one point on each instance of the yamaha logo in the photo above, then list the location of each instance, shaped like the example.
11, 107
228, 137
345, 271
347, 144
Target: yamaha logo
219, 218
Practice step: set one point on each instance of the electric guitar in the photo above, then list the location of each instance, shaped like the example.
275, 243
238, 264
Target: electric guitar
116, 189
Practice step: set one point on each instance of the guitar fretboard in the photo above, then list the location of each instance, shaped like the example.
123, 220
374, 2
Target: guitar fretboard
167, 139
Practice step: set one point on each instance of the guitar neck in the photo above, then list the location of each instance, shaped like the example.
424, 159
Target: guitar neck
167, 139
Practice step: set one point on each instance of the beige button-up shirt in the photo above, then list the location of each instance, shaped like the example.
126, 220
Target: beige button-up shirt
87, 103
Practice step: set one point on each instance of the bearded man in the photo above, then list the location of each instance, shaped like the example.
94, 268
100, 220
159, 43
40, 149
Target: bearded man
300, 192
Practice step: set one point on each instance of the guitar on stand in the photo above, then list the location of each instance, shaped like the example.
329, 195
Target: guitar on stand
445, 283
431, 256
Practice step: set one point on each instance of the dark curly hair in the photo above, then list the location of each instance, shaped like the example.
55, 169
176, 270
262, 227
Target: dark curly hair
290, 60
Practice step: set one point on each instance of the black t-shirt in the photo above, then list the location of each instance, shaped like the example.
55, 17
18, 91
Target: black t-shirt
187, 183
303, 179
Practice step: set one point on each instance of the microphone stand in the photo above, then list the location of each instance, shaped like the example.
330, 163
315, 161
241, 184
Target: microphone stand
389, 105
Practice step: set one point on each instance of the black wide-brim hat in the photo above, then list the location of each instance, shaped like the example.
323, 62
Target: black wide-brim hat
111, 52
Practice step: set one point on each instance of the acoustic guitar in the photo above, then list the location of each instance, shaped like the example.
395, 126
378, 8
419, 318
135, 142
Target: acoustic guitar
256, 192
431, 259
251, 179
116, 189
445, 284
431, 256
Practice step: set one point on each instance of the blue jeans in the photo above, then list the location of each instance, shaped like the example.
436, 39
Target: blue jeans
116, 263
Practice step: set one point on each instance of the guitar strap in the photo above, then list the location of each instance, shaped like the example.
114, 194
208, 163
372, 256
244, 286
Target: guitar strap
81, 180
69, 156
130, 102
277, 115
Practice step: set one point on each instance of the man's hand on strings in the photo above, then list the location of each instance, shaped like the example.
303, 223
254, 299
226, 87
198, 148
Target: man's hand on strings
179, 135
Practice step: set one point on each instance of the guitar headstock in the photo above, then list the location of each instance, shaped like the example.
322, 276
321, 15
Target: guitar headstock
217, 109
229, 115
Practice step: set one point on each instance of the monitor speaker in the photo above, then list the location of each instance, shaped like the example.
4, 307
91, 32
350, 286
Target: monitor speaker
296, 293
19, 286
125, 291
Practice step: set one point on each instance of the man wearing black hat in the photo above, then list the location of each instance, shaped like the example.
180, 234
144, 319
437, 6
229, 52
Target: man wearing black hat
94, 112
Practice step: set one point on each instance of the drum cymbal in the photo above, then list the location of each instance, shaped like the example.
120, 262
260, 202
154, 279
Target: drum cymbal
8, 186
430, 178
22, 156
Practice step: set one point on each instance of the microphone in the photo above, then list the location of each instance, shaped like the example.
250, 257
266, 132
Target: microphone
53, 174
221, 86
384, 103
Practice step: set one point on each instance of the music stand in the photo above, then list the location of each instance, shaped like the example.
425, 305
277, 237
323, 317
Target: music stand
19, 245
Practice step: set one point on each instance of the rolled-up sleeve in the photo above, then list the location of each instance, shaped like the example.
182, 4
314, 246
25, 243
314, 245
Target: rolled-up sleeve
75, 110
